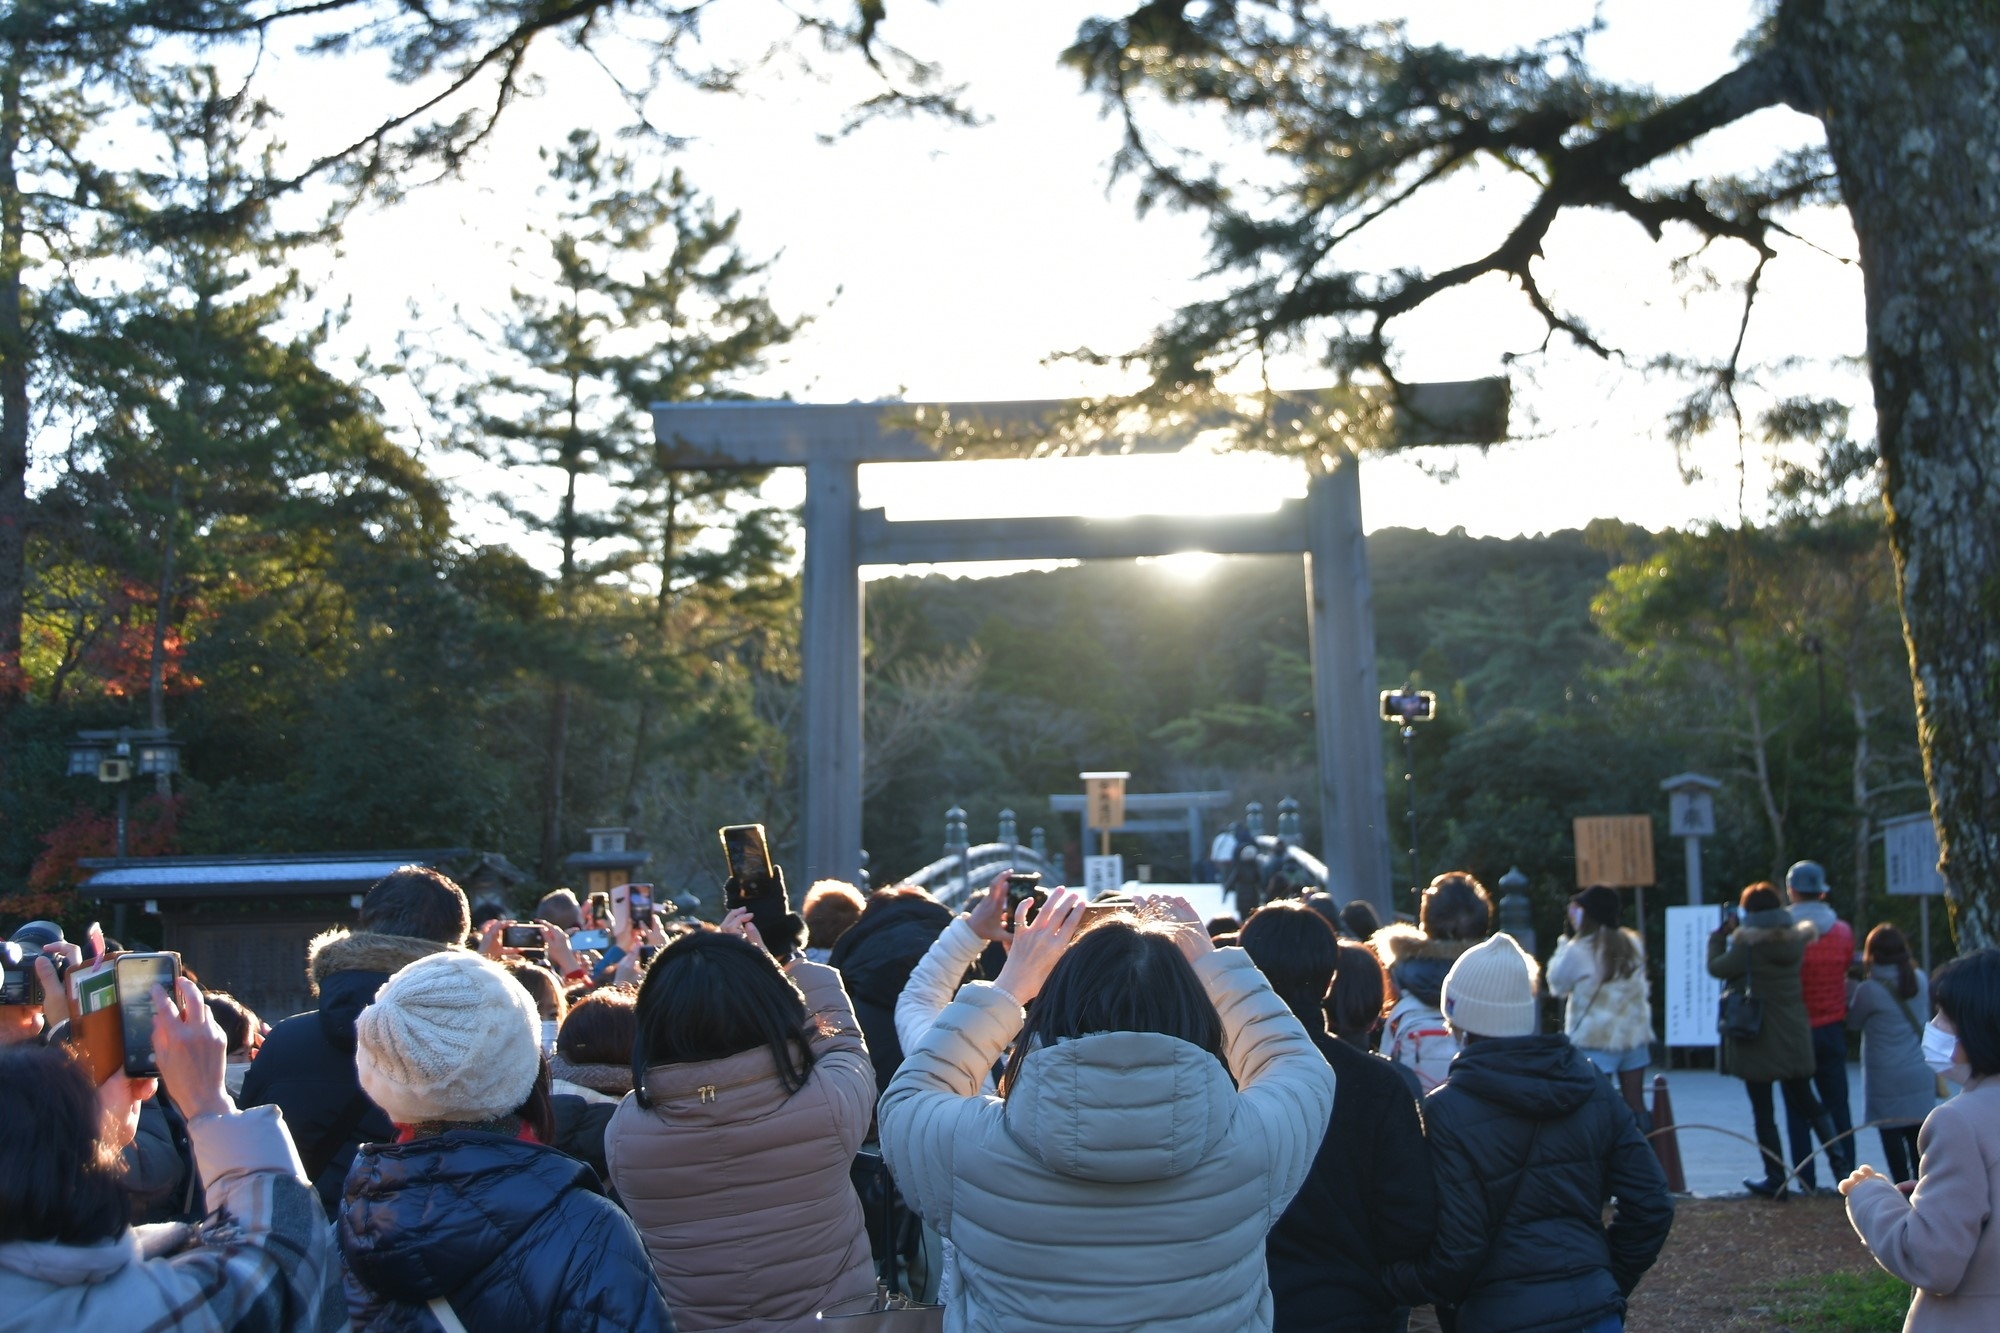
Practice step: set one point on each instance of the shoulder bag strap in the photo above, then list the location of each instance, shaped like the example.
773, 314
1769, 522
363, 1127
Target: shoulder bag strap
320, 1156
1916, 1028
1749, 968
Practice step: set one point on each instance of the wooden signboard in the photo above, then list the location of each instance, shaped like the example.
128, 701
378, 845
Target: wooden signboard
1104, 800
1614, 850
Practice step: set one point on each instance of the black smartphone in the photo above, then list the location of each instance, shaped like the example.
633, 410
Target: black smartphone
513, 935
600, 911
646, 952
1023, 886
137, 974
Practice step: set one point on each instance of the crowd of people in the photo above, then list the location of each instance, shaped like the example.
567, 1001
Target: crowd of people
1070, 1115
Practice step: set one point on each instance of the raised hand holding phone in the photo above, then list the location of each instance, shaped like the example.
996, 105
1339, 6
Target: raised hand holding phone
1039, 944
190, 1050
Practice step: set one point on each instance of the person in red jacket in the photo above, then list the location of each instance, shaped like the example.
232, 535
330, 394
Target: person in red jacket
1823, 980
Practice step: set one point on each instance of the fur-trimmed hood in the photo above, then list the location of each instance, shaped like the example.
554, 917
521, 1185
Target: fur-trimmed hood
343, 950
1763, 933
1416, 962
611, 1080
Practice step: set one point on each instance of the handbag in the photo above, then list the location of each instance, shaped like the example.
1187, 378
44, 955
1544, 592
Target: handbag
1741, 1017
886, 1311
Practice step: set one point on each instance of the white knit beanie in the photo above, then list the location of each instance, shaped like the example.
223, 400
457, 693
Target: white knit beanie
450, 1038
1490, 990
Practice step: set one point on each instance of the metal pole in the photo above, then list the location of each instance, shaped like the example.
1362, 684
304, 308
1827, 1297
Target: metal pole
121, 819
1924, 911
1693, 845
1410, 786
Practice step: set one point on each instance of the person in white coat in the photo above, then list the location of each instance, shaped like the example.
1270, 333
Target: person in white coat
1600, 968
1158, 1113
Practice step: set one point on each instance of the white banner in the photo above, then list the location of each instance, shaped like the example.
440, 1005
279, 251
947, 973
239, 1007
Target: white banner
1692, 995
1102, 874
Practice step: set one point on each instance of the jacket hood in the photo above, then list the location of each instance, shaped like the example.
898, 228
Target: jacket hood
1542, 1077
1121, 1107
1816, 912
611, 1080
877, 954
426, 1218
346, 968
1769, 927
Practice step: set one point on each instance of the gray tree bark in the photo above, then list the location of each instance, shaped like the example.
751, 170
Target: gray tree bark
1910, 99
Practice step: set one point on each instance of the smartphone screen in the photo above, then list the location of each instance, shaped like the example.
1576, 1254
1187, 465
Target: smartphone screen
639, 902
747, 851
138, 973
514, 936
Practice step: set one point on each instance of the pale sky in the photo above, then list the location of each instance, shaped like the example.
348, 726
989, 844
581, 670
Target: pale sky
945, 263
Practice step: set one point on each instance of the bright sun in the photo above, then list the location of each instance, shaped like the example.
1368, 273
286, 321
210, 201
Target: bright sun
1187, 566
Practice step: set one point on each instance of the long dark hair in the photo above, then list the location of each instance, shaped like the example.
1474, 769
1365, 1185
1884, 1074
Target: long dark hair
1298, 953
59, 1180
709, 996
1360, 990
538, 1112
1889, 947
1123, 975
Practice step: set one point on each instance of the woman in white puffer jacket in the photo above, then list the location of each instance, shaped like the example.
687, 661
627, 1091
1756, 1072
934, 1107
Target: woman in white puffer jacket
1602, 969
1122, 1178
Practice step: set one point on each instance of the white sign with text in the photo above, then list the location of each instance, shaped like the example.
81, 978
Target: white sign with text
1103, 874
1692, 995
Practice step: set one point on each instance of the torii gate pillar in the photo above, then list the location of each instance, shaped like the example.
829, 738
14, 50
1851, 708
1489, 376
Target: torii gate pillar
831, 441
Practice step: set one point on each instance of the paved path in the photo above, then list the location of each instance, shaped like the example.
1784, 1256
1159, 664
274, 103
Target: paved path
1716, 1164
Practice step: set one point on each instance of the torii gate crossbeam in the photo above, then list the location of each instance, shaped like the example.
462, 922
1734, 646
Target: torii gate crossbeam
831, 441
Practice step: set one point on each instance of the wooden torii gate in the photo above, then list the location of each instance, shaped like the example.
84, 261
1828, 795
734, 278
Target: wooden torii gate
831, 441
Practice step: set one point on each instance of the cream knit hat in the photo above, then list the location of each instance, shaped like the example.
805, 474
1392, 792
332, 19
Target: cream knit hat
451, 1037
1490, 990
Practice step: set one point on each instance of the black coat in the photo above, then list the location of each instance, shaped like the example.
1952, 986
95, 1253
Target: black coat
513, 1235
1367, 1202
875, 958
306, 1065
1528, 1143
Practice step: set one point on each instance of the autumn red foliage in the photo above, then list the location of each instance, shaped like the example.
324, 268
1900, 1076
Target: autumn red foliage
152, 830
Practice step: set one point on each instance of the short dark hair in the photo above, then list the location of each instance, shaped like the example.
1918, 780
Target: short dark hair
1222, 925
1456, 907
59, 1181
1298, 952
234, 1017
1760, 897
602, 1028
1359, 989
541, 983
1122, 975
709, 995
1967, 991
419, 902
1359, 919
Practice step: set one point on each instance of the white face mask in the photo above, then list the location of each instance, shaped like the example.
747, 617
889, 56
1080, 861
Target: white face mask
1941, 1053
1576, 918
548, 1035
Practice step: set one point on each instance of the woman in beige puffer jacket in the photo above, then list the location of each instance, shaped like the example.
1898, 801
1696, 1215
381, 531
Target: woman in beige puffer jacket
1122, 1180
736, 1173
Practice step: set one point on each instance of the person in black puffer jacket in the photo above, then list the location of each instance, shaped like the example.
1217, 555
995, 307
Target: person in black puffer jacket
875, 958
467, 1209
1529, 1142
1369, 1200
306, 1065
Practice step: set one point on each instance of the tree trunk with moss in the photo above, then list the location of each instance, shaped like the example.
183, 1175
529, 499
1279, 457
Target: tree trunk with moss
1909, 97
